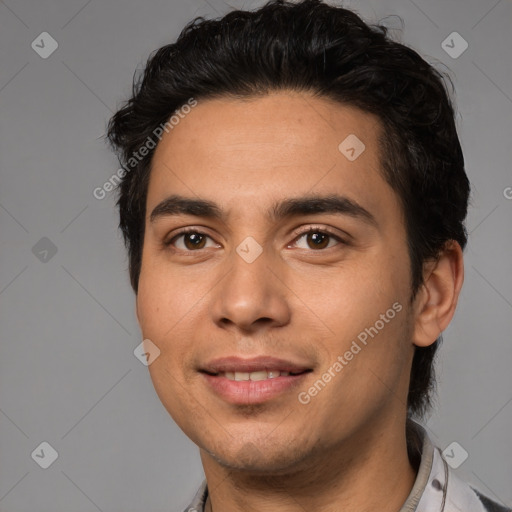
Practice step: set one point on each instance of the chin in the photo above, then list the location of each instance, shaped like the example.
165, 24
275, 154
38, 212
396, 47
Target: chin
260, 457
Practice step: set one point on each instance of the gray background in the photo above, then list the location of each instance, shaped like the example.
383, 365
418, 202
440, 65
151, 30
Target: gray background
68, 327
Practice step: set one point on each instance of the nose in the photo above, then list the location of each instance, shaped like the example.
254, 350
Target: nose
251, 297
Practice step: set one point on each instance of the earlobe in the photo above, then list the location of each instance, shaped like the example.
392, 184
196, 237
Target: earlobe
437, 299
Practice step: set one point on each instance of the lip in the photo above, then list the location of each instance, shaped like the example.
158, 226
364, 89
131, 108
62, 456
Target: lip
252, 392
253, 364
248, 392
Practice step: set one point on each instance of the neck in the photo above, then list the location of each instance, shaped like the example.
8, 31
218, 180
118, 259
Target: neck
370, 470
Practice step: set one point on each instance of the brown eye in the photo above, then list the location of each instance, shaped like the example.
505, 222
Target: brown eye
189, 241
194, 240
317, 239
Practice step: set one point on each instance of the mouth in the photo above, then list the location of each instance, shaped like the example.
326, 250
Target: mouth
254, 365
250, 381
256, 375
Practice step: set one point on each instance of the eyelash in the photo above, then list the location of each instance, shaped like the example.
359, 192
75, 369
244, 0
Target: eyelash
297, 236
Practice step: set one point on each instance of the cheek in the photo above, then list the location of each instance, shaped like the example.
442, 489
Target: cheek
161, 315
355, 296
150, 299
162, 299
170, 306
368, 306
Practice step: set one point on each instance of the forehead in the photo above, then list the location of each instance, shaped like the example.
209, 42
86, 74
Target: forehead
248, 153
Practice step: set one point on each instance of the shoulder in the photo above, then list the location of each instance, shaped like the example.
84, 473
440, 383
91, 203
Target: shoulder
460, 495
489, 505
198, 503
438, 487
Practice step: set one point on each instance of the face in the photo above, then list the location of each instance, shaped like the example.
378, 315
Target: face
294, 275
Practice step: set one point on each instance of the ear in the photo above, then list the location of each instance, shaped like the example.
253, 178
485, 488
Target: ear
437, 298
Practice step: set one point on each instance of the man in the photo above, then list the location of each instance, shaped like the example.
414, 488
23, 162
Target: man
293, 203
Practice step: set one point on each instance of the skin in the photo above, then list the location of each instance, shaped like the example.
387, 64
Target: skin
295, 301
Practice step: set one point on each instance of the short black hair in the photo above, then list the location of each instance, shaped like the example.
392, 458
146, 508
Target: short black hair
329, 51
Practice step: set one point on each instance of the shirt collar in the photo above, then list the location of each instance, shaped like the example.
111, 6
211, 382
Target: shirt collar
437, 488
199, 500
420, 448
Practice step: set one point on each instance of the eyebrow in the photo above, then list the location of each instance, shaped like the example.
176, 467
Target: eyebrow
291, 207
